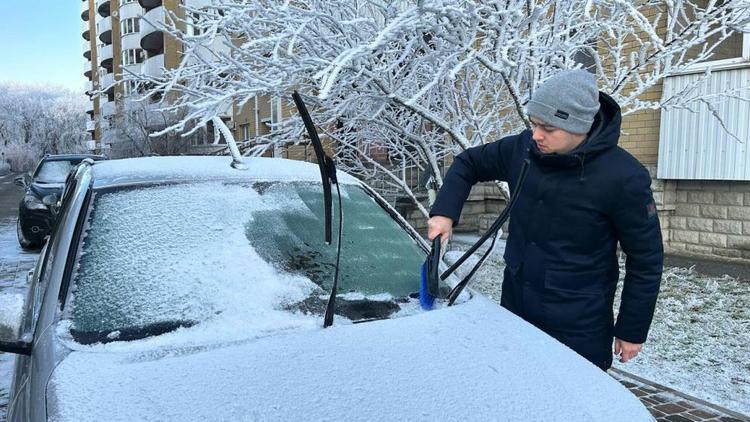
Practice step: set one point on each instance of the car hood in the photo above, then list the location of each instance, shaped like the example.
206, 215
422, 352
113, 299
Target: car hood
474, 361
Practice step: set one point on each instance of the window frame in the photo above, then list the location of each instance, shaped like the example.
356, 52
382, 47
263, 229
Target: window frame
136, 54
723, 64
133, 24
276, 113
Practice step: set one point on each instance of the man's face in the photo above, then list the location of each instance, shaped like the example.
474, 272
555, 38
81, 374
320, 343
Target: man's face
550, 139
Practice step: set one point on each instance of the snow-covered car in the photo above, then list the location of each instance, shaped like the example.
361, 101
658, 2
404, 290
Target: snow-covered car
180, 288
45, 185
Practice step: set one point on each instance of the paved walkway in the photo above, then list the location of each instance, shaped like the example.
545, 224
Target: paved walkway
668, 405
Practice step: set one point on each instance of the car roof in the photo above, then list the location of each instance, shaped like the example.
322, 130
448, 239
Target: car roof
148, 170
71, 157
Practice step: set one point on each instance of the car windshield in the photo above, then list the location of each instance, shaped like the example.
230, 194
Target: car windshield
53, 171
157, 258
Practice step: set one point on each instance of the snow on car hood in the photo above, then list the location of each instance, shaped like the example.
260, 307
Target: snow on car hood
473, 361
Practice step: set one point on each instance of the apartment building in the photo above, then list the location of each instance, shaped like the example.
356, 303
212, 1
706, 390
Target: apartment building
121, 37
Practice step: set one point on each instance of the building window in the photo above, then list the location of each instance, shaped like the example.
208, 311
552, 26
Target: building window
732, 50
275, 113
244, 132
129, 26
193, 27
130, 88
132, 56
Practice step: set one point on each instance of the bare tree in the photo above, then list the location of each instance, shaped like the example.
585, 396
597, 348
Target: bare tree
38, 120
139, 131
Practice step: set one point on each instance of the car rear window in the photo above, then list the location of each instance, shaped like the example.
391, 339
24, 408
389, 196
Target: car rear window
161, 257
54, 171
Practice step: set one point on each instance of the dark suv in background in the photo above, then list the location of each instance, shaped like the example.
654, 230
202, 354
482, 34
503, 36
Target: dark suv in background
35, 214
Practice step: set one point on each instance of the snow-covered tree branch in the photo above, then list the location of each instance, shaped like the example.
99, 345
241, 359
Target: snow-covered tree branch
423, 79
38, 120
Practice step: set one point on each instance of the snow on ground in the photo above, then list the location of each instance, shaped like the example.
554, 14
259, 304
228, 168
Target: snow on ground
6, 370
699, 338
699, 335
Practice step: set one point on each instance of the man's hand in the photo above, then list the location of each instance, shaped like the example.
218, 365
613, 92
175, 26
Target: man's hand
439, 225
625, 350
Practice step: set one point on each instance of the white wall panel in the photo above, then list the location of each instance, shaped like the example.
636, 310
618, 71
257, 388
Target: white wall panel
693, 145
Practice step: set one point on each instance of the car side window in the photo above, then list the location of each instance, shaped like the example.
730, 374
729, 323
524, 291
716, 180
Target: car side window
36, 290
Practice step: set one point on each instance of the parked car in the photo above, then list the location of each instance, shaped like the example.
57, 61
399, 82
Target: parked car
35, 211
180, 288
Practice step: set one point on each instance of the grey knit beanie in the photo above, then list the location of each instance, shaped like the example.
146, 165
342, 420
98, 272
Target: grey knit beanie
568, 100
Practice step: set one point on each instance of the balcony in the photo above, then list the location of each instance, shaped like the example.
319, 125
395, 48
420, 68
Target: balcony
87, 69
102, 6
105, 57
107, 108
108, 81
90, 125
154, 66
198, 4
130, 70
210, 52
152, 38
131, 42
105, 30
85, 10
226, 113
90, 106
149, 4
130, 10
86, 47
86, 31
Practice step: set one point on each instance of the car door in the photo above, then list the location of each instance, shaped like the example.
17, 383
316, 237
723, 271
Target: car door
18, 408
31, 372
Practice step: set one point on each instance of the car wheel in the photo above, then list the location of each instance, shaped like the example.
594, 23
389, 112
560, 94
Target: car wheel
23, 241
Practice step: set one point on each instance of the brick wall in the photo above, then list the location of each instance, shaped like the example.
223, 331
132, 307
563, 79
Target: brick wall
640, 130
711, 218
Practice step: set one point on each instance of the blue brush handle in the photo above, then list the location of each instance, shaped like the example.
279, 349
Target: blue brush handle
426, 300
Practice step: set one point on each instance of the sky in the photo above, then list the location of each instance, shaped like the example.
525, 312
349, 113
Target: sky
41, 43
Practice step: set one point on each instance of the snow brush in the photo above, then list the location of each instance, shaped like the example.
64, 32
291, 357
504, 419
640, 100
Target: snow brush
428, 288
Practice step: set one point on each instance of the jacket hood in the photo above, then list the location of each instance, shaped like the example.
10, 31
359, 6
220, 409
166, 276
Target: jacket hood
604, 134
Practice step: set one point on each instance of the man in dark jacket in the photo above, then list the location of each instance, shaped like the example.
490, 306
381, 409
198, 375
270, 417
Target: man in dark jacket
583, 194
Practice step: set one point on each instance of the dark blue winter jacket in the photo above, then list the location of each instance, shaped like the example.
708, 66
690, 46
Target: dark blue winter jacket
561, 254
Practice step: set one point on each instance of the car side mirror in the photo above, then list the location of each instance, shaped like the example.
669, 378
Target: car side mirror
11, 316
20, 181
52, 202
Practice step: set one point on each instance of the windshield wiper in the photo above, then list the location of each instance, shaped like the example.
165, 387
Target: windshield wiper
129, 333
328, 178
493, 230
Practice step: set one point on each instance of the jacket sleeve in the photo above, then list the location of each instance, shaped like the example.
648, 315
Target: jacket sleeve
478, 164
637, 225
